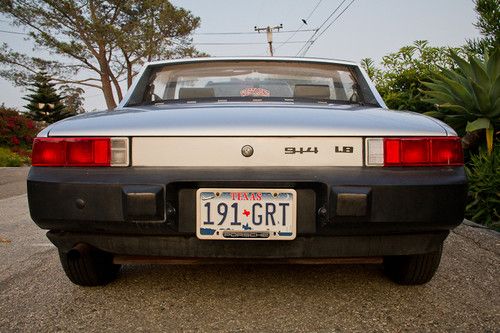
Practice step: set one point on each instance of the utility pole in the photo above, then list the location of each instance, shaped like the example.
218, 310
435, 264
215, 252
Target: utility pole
269, 30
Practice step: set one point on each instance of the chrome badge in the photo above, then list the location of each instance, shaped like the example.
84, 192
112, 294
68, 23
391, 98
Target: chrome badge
247, 151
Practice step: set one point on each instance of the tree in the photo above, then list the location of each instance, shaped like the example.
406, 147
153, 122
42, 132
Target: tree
45, 104
399, 82
488, 23
469, 95
106, 40
72, 99
369, 66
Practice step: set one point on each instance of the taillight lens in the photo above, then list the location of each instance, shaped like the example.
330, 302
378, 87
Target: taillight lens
94, 152
423, 151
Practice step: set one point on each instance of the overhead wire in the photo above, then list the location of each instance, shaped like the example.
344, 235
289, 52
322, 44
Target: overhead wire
336, 18
308, 17
241, 43
324, 30
307, 44
207, 33
321, 26
251, 32
13, 32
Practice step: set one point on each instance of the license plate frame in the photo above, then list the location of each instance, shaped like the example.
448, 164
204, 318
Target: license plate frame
274, 208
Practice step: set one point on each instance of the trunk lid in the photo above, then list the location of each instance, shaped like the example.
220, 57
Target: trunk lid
249, 119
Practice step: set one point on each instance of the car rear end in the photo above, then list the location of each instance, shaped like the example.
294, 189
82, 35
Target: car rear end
399, 204
269, 182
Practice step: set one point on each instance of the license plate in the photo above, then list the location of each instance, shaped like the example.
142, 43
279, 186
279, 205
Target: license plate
246, 214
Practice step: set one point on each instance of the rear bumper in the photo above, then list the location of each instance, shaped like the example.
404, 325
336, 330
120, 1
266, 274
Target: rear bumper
301, 247
342, 211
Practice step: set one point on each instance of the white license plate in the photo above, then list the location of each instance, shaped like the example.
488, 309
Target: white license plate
246, 214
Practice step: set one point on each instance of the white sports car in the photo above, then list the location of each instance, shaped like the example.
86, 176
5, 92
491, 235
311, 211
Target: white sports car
248, 159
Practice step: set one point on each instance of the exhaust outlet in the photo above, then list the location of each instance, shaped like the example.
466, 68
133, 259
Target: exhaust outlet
79, 250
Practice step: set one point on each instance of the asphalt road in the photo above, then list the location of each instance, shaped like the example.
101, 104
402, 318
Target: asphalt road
35, 295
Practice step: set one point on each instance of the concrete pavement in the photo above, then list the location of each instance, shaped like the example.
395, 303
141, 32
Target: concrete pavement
36, 296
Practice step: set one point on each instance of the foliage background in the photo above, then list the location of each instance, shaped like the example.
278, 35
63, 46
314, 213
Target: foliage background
16, 137
98, 43
44, 102
484, 187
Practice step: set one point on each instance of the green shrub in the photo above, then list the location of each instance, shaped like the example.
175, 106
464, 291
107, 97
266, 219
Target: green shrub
483, 173
399, 80
11, 159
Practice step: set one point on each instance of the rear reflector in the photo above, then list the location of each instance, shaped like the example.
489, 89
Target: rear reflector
414, 151
83, 152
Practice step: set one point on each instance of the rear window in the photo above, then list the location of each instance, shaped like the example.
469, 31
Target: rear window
252, 81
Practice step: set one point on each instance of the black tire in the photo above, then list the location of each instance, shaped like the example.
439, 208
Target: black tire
87, 266
413, 269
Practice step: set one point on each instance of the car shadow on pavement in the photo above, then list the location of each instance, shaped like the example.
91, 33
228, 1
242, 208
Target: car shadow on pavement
250, 279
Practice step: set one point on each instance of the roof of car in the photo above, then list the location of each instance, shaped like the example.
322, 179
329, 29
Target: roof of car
260, 58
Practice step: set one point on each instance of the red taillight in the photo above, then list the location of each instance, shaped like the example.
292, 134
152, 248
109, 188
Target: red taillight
71, 152
423, 151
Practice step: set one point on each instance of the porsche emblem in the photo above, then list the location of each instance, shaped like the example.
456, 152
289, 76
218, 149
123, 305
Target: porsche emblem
247, 151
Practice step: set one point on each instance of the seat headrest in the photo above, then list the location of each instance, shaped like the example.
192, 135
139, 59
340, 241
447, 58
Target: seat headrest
316, 91
190, 93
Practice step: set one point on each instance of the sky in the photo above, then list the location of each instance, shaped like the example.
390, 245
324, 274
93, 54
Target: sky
367, 29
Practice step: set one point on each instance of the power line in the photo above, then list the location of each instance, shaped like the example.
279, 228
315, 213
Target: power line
216, 33
293, 35
324, 30
13, 32
347, 7
228, 43
252, 32
321, 26
333, 13
314, 9
243, 43
199, 34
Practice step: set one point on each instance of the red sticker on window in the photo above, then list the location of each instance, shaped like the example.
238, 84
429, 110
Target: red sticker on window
255, 92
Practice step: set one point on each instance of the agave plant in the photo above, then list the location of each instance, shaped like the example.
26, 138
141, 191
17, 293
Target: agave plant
468, 96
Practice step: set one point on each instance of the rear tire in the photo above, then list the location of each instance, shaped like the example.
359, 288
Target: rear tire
87, 266
413, 269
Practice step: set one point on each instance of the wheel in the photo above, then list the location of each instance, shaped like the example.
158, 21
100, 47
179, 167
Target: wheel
413, 269
87, 266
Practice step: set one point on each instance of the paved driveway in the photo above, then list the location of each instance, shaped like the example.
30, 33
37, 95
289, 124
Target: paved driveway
35, 295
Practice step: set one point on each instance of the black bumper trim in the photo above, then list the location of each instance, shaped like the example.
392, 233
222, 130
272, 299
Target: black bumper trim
301, 247
352, 200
